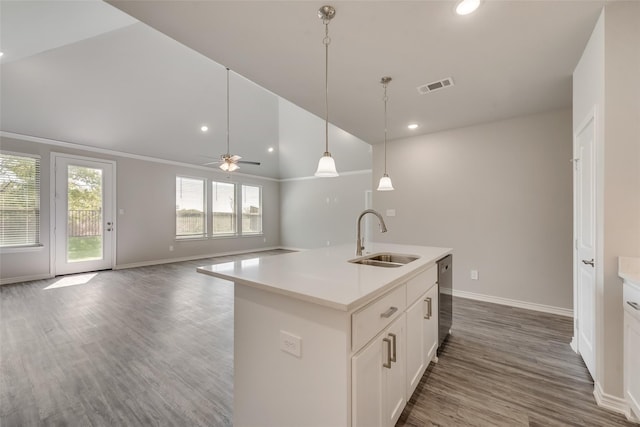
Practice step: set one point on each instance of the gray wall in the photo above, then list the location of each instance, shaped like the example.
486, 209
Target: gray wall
146, 191
322, 212
499, 193
315, 211
607, 78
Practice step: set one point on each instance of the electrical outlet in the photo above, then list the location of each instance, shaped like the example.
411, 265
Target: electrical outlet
290, 343
474, 274
170, 248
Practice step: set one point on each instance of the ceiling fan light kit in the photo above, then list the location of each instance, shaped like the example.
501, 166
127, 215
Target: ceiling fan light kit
385, 182
326, 164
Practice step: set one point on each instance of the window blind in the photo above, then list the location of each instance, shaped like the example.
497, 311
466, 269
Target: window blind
19, 200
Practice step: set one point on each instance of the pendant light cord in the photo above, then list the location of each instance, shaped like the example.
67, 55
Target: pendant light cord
326, 41
385, 127
227, 111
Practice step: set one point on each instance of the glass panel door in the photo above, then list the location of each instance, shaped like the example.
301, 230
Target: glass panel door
84, 220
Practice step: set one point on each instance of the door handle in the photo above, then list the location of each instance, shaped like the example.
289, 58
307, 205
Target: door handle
429, 313
590, 262
393, 337
388, 363
635, 305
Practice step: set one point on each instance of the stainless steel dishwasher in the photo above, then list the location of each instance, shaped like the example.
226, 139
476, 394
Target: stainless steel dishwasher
445, 299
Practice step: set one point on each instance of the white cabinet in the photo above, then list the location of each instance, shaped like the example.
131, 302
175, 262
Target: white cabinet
387, 368
422, 336
631, 301
379, 394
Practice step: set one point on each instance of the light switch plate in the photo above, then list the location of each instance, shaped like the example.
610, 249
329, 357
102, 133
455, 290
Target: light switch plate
290, 343
391, 212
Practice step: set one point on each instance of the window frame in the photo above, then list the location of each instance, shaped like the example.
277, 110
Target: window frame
37, 243
260, 207
205, 229
234, 212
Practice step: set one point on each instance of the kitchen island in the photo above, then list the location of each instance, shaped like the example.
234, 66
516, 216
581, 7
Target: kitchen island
319, 340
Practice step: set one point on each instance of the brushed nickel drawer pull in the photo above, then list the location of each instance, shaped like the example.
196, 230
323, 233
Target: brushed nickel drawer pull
429, 311
389, 312
387, 364
393, 337
634, 305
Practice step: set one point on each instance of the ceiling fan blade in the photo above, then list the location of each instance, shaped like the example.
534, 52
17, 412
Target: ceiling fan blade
247, 162
235, 158
211, 163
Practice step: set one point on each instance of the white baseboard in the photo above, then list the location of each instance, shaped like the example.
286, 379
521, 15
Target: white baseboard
190, 258
574, 345
289, 248
515, 303
612, 403
10, 280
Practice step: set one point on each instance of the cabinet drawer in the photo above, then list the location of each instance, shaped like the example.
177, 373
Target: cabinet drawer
421, 284
631, 294
373, 318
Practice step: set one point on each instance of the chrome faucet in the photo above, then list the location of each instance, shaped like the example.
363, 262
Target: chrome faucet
359, 242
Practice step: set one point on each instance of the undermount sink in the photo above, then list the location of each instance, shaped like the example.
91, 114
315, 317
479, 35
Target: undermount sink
388, 260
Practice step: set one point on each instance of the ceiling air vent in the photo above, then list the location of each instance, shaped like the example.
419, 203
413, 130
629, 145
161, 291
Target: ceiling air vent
433, 86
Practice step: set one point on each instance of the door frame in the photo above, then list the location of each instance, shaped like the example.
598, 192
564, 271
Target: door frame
52, 205
591, 117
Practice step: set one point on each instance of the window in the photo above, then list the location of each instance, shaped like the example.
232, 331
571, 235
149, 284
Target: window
251, 209
190, 207
19, 200
223, 207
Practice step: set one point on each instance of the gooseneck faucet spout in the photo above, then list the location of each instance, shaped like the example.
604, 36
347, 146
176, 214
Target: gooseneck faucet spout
359, 242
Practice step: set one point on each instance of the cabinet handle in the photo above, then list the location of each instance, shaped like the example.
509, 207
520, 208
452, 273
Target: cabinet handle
634, 305
393, 337
389, 312
590, 262
429, 313
387, 364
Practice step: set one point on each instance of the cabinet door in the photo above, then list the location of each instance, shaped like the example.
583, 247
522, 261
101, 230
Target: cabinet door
431, 326
367, 385
631, 365
378, 386
395, 390
416, 344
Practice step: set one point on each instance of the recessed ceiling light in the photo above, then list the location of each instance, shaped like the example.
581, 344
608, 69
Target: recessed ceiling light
204, 128
413, 126
270, 149
466, 7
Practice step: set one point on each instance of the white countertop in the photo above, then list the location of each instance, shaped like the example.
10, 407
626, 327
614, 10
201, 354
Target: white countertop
324, 276
629, 269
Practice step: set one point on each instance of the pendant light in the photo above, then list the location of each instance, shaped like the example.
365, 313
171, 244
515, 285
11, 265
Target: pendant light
326, 165
385, 181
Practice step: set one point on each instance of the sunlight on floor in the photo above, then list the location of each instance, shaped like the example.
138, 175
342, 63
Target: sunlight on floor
76, 279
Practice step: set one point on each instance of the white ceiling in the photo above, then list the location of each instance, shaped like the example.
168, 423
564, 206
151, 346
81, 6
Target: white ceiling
113, 83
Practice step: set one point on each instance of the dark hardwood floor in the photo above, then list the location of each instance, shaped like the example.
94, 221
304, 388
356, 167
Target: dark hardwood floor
154, 346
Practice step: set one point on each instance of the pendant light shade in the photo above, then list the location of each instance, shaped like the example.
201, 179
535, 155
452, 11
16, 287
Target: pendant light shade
326, 165
385, 182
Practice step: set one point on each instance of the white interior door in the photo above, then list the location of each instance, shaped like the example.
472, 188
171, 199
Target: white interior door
585, 243
84, 219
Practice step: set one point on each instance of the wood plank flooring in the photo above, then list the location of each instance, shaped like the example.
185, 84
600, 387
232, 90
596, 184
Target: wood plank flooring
154, 346
505, 366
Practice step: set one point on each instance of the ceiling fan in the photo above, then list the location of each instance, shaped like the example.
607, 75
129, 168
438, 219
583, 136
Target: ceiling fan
228, 162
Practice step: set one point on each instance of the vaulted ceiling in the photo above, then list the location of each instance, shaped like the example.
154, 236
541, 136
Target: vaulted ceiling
118, 84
